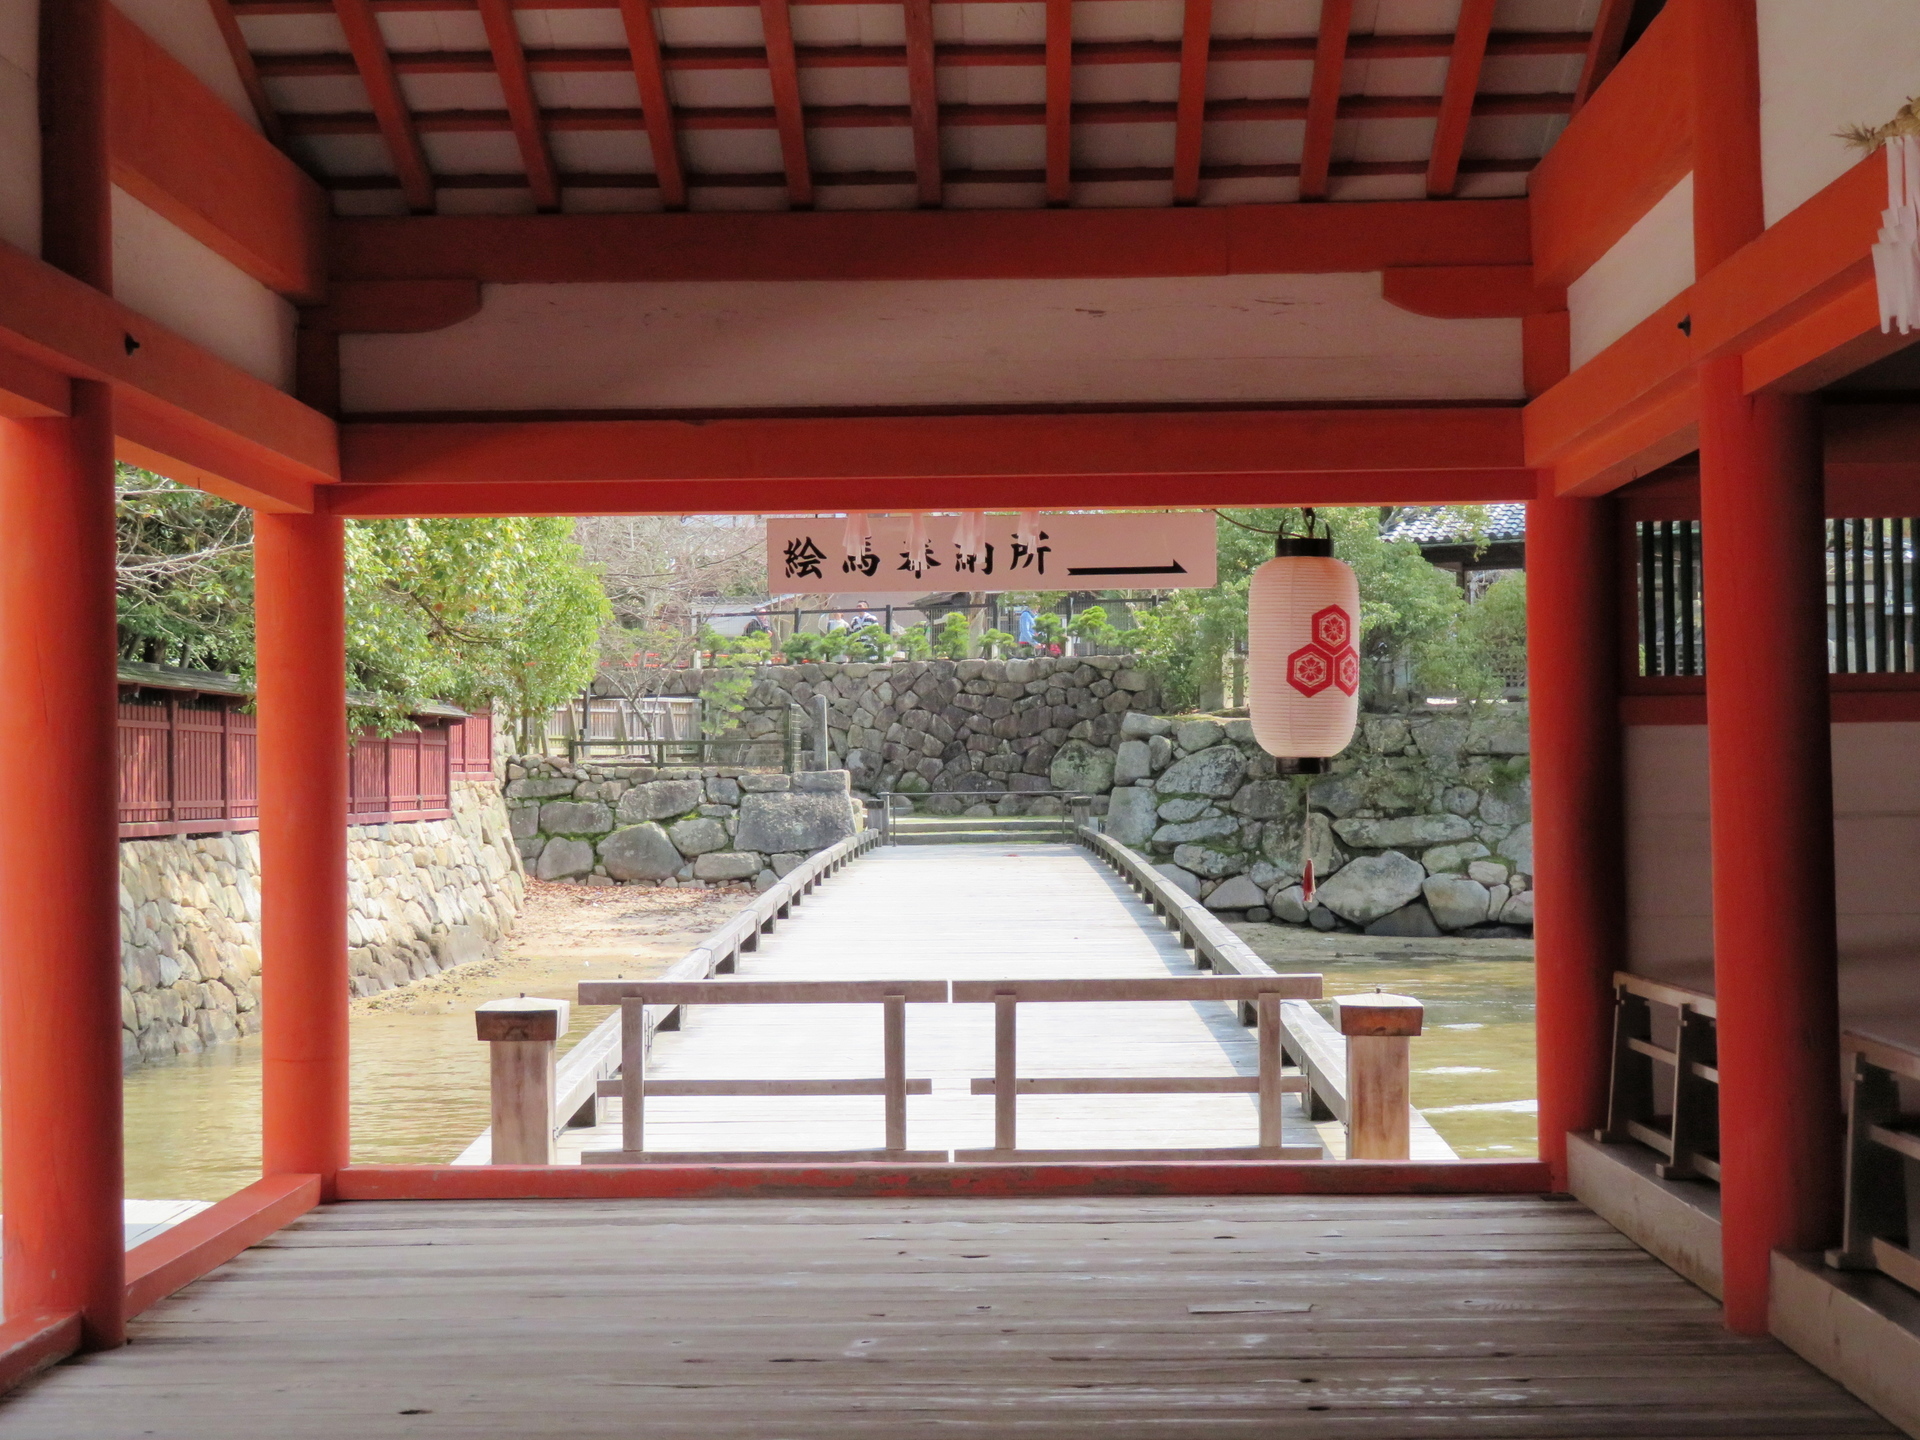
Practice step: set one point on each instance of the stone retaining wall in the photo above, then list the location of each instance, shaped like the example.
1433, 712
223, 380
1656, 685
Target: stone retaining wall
421, 896
1421, 828
950, 725
621, 824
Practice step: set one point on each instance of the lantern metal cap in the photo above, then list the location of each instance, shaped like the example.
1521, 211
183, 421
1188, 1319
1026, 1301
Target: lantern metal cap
1289, 545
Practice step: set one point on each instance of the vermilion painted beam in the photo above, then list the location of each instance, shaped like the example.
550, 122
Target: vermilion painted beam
952, 244
267, 443
30, 1343
966, 446
516, 83
394, 307
924, 101
1190, 123
178, 149
180, 1255
557, 1182
1647, 363
30, 391
1603, 48
390, 104
643, 44
1469, 292
1627, 147
1456, 102
248, 69
1323, 101
790, 116
1000, 492
1059, 108
1810, 257
1841, 336
1130, 459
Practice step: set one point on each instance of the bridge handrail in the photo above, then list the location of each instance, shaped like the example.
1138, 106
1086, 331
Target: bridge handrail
1882, 1156
1306, 1036
596, 1057
1004, 1085
577, 1074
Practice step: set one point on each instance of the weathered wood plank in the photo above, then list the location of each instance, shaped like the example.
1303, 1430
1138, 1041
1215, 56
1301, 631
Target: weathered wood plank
1484, 1318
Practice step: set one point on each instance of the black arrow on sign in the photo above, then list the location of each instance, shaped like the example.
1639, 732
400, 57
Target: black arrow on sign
1176, 568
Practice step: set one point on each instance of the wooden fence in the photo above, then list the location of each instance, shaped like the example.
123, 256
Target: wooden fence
188, 767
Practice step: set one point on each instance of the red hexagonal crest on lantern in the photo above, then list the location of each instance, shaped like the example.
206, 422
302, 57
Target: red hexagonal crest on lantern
1310, 670
1332, 629
1346, 670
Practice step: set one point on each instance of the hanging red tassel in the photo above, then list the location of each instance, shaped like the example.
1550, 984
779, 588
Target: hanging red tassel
1306, 869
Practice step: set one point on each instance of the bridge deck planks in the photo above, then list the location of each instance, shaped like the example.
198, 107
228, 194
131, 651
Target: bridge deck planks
1512, 1318
956, 912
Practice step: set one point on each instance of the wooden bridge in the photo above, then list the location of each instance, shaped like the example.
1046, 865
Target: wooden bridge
798, 1311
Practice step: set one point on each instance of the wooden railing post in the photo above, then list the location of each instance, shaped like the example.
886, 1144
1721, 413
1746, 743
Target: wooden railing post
523, 1033
1379, 1092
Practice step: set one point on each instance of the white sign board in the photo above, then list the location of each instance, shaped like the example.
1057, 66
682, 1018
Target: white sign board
1160, 550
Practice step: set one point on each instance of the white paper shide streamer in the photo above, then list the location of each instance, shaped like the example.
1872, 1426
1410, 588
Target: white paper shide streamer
1896, 259
859, 534
917, 543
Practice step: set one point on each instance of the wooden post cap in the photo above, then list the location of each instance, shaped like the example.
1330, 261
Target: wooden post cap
522, 1019
1379, 1014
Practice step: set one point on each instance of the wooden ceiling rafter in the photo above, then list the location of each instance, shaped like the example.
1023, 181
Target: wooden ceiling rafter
1189, 126
1603, 47
575, 59
1456, 100
923, 97
1323, 100
859, 117
523, 104
656, 103
395, 118
248, 69
790, 115
1059, 103
823, 179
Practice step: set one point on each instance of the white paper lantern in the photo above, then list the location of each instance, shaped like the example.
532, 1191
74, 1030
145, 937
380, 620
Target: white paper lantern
1303, 664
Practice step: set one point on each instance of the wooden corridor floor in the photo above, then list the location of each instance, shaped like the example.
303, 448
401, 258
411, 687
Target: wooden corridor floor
1405, 1318
958, 912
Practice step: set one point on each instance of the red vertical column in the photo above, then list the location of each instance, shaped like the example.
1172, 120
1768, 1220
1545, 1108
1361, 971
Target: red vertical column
60, 872
60, 1105
1776, 978
1573, 692
300, 605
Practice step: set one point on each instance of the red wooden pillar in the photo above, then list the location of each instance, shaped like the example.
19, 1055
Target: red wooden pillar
1775, 968
300, 604
1573, 694
60, 1105
60, 872
1762, 508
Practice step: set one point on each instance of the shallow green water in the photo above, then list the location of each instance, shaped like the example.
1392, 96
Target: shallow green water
420, 1076
1473, 1064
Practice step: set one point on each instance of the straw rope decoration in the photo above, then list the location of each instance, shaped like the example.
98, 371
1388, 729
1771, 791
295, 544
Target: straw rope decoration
1896, 258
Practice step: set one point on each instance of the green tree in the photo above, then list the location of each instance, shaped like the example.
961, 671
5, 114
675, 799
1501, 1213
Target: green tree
471, 612
1411, 613
950, 638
